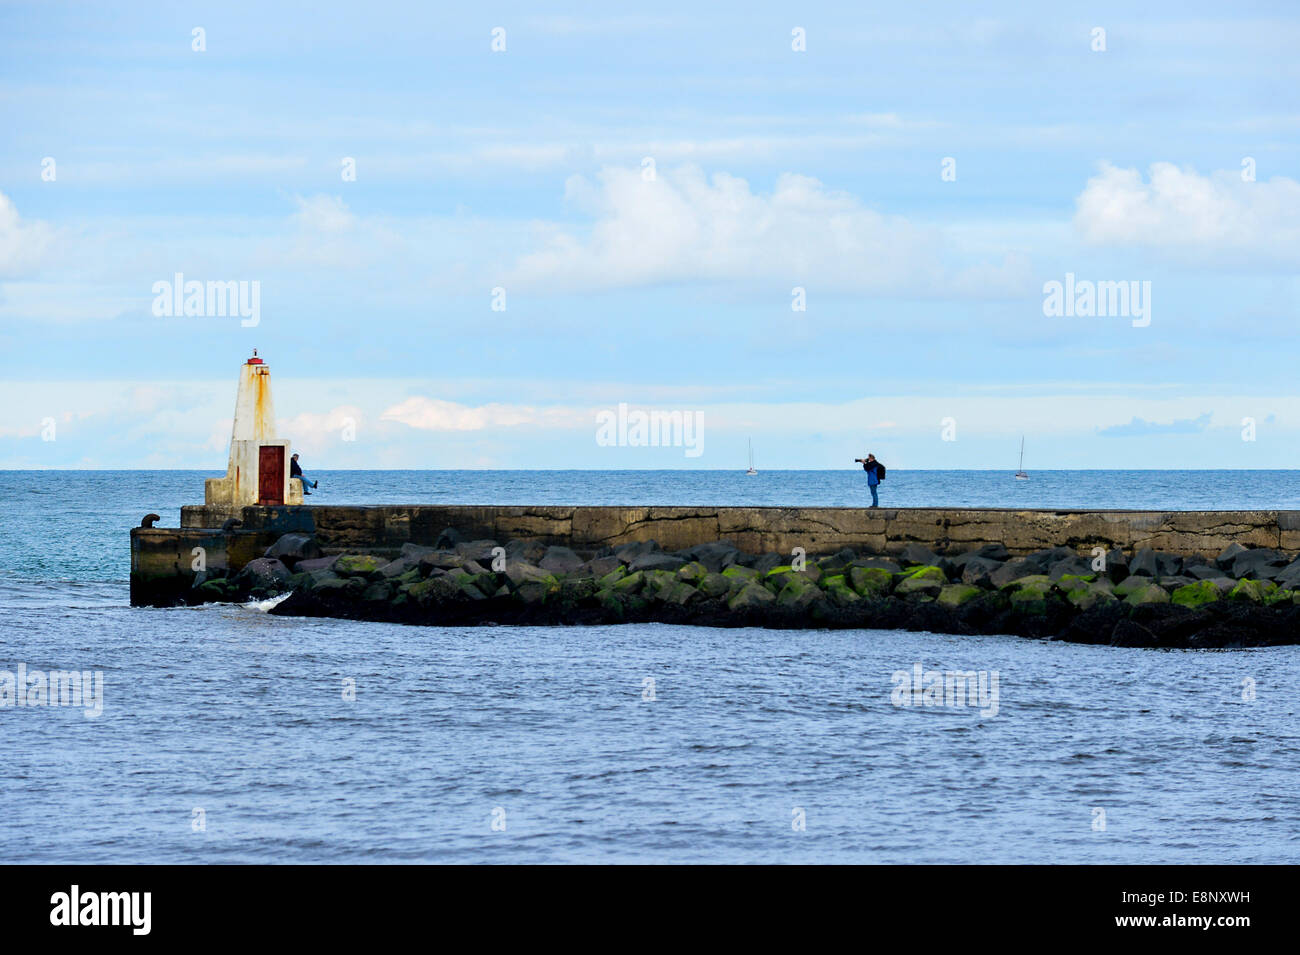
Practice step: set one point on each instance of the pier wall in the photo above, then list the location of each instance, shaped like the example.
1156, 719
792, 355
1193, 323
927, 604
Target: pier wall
163, 560
763, 529
166, 561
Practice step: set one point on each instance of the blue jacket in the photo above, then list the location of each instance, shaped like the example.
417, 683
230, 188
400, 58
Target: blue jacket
872, 479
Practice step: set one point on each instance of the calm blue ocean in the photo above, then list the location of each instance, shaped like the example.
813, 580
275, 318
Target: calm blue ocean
548, 733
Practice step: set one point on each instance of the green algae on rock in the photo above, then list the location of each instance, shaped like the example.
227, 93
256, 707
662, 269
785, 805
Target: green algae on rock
1040, 595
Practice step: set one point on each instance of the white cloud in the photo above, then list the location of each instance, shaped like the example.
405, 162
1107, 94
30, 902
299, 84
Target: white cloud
22, 244
322, 213
581, 26
313, 432
684, 227
328, 235
186, 170
433, 414
1182, 211
64, 302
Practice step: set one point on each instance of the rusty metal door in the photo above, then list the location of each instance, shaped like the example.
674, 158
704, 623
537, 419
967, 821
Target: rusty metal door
270, 474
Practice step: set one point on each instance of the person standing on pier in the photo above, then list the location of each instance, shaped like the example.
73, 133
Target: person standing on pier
875, 473
295, 471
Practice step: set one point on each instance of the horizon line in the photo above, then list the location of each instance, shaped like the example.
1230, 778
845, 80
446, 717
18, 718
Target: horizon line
651, 470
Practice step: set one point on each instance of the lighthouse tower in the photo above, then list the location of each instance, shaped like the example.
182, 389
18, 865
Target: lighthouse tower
258, 472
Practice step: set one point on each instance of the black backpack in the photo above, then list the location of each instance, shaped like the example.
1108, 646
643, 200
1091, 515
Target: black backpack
880, 470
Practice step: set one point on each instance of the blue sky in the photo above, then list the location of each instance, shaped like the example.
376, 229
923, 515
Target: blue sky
924, 337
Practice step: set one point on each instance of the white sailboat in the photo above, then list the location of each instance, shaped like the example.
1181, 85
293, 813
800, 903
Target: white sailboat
1020, 474
751, 457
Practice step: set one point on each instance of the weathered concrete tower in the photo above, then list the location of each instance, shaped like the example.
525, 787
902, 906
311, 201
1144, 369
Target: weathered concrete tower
258, 472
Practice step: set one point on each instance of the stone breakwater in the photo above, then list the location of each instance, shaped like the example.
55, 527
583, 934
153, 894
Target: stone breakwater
165, 562
1240, 596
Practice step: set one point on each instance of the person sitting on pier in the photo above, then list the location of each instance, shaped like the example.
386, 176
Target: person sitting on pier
295, 471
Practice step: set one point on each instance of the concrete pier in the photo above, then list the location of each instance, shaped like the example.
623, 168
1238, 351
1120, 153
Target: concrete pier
762, 529
163, 560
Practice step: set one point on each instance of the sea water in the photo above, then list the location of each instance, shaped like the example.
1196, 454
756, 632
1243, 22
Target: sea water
231, 735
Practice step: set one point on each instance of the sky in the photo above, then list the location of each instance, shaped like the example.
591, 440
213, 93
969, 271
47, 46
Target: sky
471, 235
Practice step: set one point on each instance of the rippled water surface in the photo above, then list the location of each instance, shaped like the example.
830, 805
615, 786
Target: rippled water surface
242, 714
